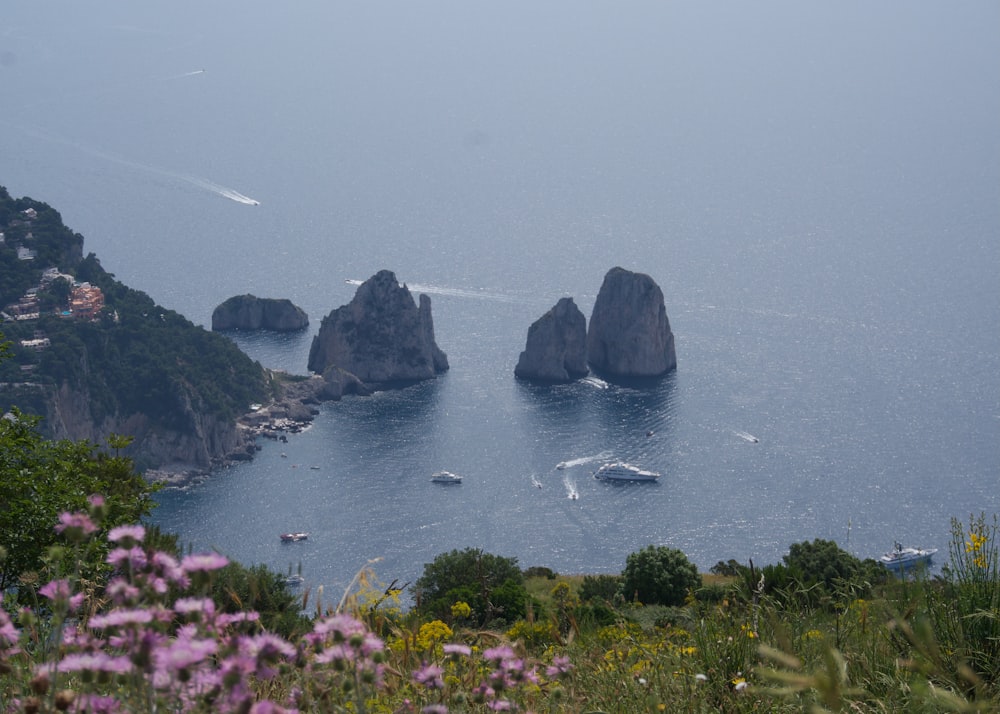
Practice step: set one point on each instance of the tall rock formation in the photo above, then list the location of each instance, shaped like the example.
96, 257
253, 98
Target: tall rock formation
381, 336
556, 349
629, 333
249, 312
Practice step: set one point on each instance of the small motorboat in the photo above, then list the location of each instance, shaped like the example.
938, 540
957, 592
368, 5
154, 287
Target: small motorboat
294, 579
293, 537
446, 477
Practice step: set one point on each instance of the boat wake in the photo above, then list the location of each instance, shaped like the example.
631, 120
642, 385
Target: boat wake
746, 436
595, 382
229, 193
583, 460
454, 292
535, 482
571, 491
196, 181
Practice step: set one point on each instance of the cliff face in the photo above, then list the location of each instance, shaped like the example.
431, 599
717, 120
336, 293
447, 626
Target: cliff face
249, 312
629, 333
556, 349
200, 441
381, 336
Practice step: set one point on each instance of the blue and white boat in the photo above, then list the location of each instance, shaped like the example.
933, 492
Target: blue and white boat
901, 560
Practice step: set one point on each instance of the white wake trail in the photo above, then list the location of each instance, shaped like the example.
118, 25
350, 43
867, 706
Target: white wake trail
580, 461
196, 181
452, 292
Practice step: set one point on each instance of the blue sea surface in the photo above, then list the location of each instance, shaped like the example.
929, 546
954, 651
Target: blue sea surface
813, 187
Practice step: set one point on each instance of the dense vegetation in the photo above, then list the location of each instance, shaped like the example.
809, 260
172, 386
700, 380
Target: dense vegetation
134, 358
170, 632
120, 619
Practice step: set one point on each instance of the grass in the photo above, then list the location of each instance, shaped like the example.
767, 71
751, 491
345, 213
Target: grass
151, 641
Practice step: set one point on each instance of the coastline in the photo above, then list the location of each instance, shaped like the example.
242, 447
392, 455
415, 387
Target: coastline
290, 412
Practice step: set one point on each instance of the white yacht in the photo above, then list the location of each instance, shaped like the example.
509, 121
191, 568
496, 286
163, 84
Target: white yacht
446, 477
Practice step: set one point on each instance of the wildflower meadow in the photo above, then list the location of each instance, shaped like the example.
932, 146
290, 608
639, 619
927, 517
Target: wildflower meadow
150, 635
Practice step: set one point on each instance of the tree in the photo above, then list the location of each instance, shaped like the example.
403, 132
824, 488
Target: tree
39, 479
658, 575
824, 564
491, 584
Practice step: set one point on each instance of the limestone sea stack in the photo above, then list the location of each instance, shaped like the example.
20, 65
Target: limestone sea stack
629, 333
249, 312
381, 336
556, 350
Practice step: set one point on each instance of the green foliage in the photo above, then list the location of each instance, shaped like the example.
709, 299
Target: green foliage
238, 588
39, 479
537, 571
966, 601
601, 588
659, 575
136, 358
491, 584
831, 571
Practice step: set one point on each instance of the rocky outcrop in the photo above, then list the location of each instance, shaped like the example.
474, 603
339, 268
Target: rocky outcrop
556, 349
249, 312
629, 333
382, 336
200, 442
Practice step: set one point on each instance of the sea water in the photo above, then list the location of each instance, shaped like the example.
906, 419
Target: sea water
814, 189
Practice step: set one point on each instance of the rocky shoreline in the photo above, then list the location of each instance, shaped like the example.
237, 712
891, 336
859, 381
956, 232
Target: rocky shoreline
290, 413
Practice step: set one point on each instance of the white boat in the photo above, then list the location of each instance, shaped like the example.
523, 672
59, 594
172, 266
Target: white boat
901, 559
293, 537
294, 580
562, 465
621, 471
446, 477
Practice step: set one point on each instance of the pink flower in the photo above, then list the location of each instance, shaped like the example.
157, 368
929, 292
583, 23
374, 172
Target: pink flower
94, 662
184, 653
126, 558
560, 667
429, 676
121, 591
168, 566
203, 562
457, 649
121, 616
127, 533
497, 654
187, 605
9, 636
60, 592
75, 526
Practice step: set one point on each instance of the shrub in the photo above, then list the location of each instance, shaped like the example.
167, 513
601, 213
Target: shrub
658, 575
834, 571
492, 585
600, 588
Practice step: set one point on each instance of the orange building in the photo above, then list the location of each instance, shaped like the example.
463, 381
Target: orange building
86, 301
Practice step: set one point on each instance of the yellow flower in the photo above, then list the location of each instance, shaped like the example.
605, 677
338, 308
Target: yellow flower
461, 610
431, 633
